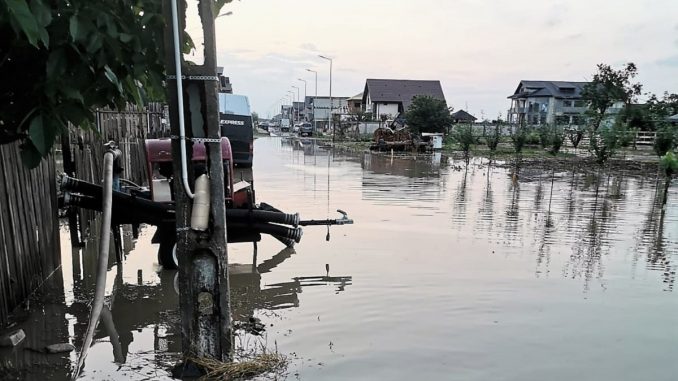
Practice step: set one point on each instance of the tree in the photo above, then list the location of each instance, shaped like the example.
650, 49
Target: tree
61, 59
428, 114
255, 118
608, 87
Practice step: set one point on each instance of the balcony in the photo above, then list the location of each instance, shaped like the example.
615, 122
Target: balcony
518, 110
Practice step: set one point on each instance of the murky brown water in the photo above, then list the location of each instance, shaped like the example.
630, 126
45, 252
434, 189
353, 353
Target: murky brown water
450, 273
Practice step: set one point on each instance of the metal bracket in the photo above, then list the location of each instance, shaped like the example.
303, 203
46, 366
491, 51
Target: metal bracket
198, 140
196, 77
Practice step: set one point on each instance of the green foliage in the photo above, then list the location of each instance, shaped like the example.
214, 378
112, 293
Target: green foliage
519, 138
665, 139
669, 164
544, 136
61, 59
532, 137
556, 141
603, 143
492, 139
607, 87
361, 116
428, 114
463, 135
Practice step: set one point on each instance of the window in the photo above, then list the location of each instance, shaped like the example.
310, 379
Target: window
579, 103
567, 103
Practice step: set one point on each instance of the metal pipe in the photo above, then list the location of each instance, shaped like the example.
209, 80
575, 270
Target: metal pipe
180, 100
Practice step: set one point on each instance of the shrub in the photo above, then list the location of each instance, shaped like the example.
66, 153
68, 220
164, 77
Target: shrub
665, 139
518, 138
463, 134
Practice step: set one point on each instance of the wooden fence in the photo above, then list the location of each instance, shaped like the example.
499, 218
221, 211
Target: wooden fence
29, 233
83, 150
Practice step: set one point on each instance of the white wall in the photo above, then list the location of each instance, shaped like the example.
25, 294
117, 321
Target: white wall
322, 107
390, 109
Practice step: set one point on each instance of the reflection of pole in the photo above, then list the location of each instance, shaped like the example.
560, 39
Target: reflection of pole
202, 255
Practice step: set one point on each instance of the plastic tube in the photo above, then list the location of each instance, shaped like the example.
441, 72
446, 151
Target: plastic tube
200, 214
180, 100
102, 265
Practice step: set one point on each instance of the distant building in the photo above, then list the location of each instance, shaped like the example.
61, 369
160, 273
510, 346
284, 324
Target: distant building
462, 116
392, 97
318, 109
355, 103
224, 82
550, 102
673, 119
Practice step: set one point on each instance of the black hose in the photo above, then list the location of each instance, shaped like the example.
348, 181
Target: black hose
271, 229
263, 216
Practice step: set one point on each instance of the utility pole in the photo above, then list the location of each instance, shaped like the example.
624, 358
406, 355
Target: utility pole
304, 81
329, 119
297, 106
315, 121
202, 255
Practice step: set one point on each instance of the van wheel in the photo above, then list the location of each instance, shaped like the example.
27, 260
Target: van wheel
167, 255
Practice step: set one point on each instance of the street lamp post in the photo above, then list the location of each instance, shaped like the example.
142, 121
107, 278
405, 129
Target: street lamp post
329, 119
293, 106
315, 121
290, 94
304, 81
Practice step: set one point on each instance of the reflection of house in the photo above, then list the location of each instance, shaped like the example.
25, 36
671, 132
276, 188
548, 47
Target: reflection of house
547, 102
394, 96
462, 116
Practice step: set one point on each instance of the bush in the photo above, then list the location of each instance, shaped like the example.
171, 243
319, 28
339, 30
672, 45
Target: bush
463, 135
492, 140
665, 139
557, 139
603, 143
519, 138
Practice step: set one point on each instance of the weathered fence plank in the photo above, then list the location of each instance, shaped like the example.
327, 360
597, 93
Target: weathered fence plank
29, 248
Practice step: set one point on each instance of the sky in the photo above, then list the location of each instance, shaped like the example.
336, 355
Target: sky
478, 49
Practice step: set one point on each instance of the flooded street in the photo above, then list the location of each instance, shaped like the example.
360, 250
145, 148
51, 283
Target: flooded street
449, 273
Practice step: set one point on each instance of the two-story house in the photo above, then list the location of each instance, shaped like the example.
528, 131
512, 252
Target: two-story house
547, 102
391, 97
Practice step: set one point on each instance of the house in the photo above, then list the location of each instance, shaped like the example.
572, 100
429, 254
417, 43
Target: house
462, 116
393, 96
547, 102
224, 82
318, 109
355, 103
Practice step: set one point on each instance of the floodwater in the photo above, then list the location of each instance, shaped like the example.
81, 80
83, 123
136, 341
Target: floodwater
450, 272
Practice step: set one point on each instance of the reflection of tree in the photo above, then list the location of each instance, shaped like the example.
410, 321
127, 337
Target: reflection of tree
459, 209
512, 212
486, 210
585, 260
651, 240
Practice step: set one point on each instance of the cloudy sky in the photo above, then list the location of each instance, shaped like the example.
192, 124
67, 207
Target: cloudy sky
478, 49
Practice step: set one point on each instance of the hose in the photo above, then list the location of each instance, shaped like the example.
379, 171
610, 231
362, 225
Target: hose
271, 229
102, 265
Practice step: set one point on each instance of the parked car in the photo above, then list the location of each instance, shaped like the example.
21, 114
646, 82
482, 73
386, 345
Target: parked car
306, 129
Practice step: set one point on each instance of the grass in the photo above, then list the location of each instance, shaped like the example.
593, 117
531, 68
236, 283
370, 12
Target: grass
257, 365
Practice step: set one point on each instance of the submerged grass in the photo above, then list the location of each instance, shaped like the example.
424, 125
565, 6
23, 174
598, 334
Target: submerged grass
264, 363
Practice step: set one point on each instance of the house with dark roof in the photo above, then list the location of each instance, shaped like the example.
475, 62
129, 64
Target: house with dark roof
462, 116
547, 102
394, 96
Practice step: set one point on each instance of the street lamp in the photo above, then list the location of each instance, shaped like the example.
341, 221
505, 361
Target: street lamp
293, 106
291, 95
315, 121
331, 105
304, 81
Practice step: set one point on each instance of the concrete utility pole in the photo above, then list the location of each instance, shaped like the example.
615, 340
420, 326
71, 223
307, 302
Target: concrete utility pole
203, 261
315, 121
304, 81
329, 119
297, 105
